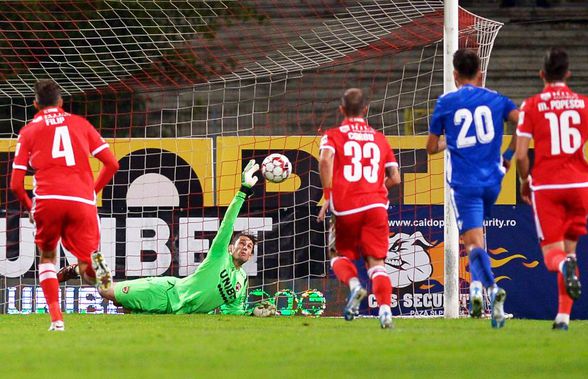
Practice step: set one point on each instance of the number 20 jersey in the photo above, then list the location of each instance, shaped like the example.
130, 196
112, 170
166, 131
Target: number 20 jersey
557, 120
362, 155
472, 120
57, 145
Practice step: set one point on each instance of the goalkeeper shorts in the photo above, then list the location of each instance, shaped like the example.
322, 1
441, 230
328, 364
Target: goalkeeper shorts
146, 295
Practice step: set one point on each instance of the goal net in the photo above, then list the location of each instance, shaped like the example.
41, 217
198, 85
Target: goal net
187, 92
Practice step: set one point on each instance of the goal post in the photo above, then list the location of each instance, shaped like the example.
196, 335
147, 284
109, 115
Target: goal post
186, 92
451, 234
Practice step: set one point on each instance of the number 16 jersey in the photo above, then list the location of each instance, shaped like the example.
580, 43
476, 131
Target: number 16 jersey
557, 119
57, 145
362, 155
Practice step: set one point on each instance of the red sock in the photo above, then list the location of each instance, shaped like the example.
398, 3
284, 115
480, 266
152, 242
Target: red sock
553, 258
50, 286
90, 273
381, 286
344, 269
565, 301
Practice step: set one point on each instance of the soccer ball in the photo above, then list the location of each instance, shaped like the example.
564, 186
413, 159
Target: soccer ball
276, 168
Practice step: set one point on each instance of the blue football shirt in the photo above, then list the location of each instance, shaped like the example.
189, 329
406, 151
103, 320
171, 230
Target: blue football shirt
472, 119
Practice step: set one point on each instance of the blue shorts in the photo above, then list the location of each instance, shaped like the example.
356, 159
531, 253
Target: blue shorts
472, 205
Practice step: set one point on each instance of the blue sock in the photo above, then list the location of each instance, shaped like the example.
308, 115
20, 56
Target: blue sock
480, 267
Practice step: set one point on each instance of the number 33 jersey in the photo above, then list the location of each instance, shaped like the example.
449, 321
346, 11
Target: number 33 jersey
472, 120
57, 145
362, 155
557, 120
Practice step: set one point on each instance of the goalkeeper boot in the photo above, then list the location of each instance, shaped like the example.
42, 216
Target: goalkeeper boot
573, 285
497, 298
67, 273
355, 297
476, 299
57, 326
103, 278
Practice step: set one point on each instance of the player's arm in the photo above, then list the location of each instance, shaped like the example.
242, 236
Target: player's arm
236, 307
513, 119
100, 149
523, 140
523, 164
109, 168
391, 166
19, 170
225, 231
392, 177
326, 162
435, 143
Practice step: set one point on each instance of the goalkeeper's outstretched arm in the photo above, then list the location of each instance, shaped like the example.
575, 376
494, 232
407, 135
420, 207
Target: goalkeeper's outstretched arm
225, 231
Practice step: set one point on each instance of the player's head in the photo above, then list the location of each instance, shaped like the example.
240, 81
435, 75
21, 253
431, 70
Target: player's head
555, 66
241, 247
466, 66
47, 94
353, 103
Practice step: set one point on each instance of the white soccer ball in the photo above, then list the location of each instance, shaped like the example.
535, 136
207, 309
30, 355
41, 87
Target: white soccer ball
276, 168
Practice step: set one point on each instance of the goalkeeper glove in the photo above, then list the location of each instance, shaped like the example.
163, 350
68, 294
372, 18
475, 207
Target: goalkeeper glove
248, 179
264, 309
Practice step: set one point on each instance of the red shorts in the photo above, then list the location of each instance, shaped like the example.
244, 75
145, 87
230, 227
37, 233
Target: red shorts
75, 223
363, 234
560, 214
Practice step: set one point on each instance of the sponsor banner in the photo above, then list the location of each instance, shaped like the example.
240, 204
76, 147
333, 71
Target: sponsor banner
163, 208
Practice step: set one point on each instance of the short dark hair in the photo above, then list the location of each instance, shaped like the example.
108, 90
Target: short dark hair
47, 93
555, 64
236, 236
466, 62
353, 102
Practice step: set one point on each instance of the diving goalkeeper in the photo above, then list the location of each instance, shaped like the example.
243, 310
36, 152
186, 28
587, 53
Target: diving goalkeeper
219, 281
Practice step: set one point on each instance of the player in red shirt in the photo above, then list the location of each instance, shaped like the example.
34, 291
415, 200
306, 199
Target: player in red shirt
357, 165
57, 146
557, 120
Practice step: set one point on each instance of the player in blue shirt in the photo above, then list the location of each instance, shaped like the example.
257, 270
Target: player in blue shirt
472, 120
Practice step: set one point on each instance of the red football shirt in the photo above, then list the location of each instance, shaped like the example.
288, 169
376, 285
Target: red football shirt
361, 157
57, 145
557, 120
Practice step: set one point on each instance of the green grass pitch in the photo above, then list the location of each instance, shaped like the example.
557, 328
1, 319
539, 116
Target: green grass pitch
212, 346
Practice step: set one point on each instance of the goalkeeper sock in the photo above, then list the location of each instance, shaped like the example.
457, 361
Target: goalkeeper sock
344, 269
381, 286
480, 267
565, 302
50, 286
553, 259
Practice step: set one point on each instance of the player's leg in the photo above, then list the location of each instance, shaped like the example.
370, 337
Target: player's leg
48, 220
346, 236
471, 206
550, 222
145, 295
81, 236
375, 243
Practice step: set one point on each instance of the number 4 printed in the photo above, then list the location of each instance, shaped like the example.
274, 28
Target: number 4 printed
62, 139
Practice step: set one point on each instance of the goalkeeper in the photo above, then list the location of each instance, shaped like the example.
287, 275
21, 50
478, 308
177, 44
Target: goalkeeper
219, 281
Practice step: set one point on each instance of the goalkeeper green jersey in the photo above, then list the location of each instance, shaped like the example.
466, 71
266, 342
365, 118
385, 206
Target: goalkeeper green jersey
216, 282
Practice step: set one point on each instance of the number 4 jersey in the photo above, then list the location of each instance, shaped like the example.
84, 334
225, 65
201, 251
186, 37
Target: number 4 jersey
557, 120
359, 169
472, 120
57, 146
